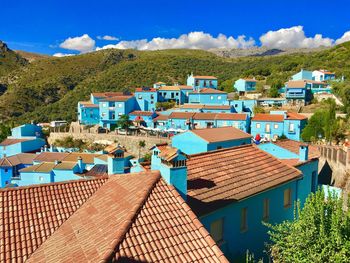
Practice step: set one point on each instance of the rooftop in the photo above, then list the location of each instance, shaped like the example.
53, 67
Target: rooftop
220, 134
29, 215
117, 98
141, 113
88, 104
134, 217
161, 117
295, 116
268, 117
204, 77
10, 141
218, 178
176, 87
209, 91
181, 115
107, 94
296, 84
21, 158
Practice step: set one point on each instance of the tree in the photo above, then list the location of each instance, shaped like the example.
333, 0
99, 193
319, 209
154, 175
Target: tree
275, 86
124, 122
4, 131
142, 144
314, 127
319, 233
258, 109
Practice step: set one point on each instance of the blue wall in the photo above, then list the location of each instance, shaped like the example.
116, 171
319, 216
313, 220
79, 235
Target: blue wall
302, 74
242, 85
208, 98
202, 83
275, 131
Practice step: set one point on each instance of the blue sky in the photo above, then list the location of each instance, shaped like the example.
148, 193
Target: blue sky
42, 26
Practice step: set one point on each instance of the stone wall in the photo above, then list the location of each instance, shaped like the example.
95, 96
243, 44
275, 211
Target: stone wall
130, 142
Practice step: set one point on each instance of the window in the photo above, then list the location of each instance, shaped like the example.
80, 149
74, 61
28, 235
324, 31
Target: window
219, 97
113, 116
120, 105
197, 82
140, 97
172, 95
210, 83
287, 198
156, 153
258, 125
219, 147
152, 102
216, 230
275, 126
244, 223
6, 170
120, 114
211, 97
291, 127
152, 96
103, 114
204, 83
177, 94
266, 209
41, 178
104, 105
268, 127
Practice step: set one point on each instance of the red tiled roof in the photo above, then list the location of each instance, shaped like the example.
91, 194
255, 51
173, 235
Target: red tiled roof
217, 107
296, 83
268, 117
10, 141
181, 115
250, 80
21, 158
50, 156
88, 104
192, 106
295, 116
324, 71
107, 94
117, 98
204, 77
231, 116
294, 146
133, 217
221, 134
141, 113
29, 215
204, 116
145, 90
218, 178
99, 170
209, 91
161, 117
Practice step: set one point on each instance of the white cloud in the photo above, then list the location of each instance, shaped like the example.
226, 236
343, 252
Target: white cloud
293, 37
192, 40
83, 43
108, 38
60, 55
344, 38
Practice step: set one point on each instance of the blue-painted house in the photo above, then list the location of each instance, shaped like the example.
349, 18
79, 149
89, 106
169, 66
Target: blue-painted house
88, 113
112, 108
323, 75
242, 86
146, 98
204, 140
200, 82
10, 166
278, 123
25, 138
188, 107
178, 94
230, 193
143, 118
303, 74
298, 92
208, 96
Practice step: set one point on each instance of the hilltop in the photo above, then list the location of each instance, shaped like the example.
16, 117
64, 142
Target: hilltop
9, 60
49, 88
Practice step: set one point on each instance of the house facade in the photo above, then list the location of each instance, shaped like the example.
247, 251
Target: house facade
208, 96
242, 86
200, 82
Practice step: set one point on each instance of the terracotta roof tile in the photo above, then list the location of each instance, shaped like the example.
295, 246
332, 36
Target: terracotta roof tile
141, 113
209, 91
192, 106
204, 116
86, 157
21, 158
131, 217
10, 141
145, 90
295, 116
294, 146
99, 170
268, 117
181, 115
296, 84
204, 77
117, 98
217, 107
88, 104
232, 116
249, 80
29, 215
161, 117
220, 134
50, 156
218, 178
107, 94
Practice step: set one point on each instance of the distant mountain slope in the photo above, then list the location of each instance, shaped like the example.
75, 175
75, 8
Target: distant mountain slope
30, 56
9, 60
263, 51
49, 88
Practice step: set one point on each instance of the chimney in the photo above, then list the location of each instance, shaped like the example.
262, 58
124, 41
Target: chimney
41, 149
303, 152
174, 172
116, 163
45, 148
81, 165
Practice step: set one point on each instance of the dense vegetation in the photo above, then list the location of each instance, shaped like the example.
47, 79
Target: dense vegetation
49, 88
320, 232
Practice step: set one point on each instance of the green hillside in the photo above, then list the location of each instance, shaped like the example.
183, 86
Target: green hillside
49, 88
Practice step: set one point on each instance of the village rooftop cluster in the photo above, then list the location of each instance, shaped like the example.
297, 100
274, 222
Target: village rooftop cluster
201, 198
